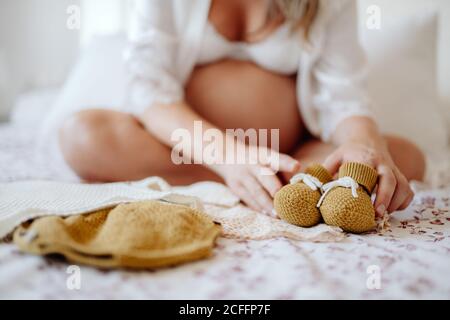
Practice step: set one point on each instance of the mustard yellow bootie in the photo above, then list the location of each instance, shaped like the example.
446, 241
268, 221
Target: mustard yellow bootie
296, 203
346, 202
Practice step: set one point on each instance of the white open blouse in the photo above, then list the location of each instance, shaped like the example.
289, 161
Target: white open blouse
166, 43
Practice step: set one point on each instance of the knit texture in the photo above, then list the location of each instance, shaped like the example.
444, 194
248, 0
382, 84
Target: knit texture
145, 234
339, 207
318, 171
297, 203
366, 176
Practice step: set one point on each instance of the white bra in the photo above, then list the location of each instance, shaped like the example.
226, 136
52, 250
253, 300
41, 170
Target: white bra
279, 52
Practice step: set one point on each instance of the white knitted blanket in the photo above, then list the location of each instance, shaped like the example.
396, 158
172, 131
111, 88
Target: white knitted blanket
21, 201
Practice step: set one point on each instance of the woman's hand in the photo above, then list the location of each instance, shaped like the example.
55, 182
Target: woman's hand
393, 191
256, 182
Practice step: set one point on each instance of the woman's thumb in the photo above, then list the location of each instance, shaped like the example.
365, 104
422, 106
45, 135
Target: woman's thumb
333, 162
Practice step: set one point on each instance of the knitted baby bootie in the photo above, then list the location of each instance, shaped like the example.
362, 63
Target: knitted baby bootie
296, 203
346, 202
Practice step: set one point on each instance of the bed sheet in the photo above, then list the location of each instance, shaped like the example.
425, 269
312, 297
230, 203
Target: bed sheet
409, 260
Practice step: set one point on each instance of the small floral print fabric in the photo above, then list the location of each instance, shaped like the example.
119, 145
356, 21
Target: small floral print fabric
410, 259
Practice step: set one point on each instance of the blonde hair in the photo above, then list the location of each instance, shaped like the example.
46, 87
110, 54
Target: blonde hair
301, 13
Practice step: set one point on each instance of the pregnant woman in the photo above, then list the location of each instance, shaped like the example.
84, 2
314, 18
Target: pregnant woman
292, 65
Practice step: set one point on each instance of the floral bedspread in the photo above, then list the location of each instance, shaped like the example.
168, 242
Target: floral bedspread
411, 259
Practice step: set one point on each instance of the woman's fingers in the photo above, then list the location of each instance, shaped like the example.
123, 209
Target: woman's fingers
288, 164
402, 193
407, 202
241, 191
386, 189
245, 196
333, 162
269, 181
279, 162
258, 193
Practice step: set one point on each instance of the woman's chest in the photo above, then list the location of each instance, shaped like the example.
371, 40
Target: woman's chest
228, 35
237, 20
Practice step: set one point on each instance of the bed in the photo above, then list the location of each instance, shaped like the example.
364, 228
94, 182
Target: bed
409, 260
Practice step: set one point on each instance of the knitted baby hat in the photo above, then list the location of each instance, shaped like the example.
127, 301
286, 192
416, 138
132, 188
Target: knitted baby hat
346, 202
145, 234
296, 203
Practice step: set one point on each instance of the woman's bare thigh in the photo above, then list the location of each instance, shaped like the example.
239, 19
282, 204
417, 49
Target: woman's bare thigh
105, 145
234, 94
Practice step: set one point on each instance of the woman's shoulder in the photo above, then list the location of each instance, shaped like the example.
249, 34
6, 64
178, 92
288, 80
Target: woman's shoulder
337, 4
177, 15
331, 7
329, 10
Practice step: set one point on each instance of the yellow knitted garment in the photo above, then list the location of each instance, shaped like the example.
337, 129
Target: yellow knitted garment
145, 234
352, 214
297, 203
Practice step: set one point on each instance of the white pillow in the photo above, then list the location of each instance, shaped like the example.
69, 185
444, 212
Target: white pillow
402, 81
31, 108
99, 80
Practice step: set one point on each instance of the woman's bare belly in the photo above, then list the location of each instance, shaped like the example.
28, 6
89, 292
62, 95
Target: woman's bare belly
235, 94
